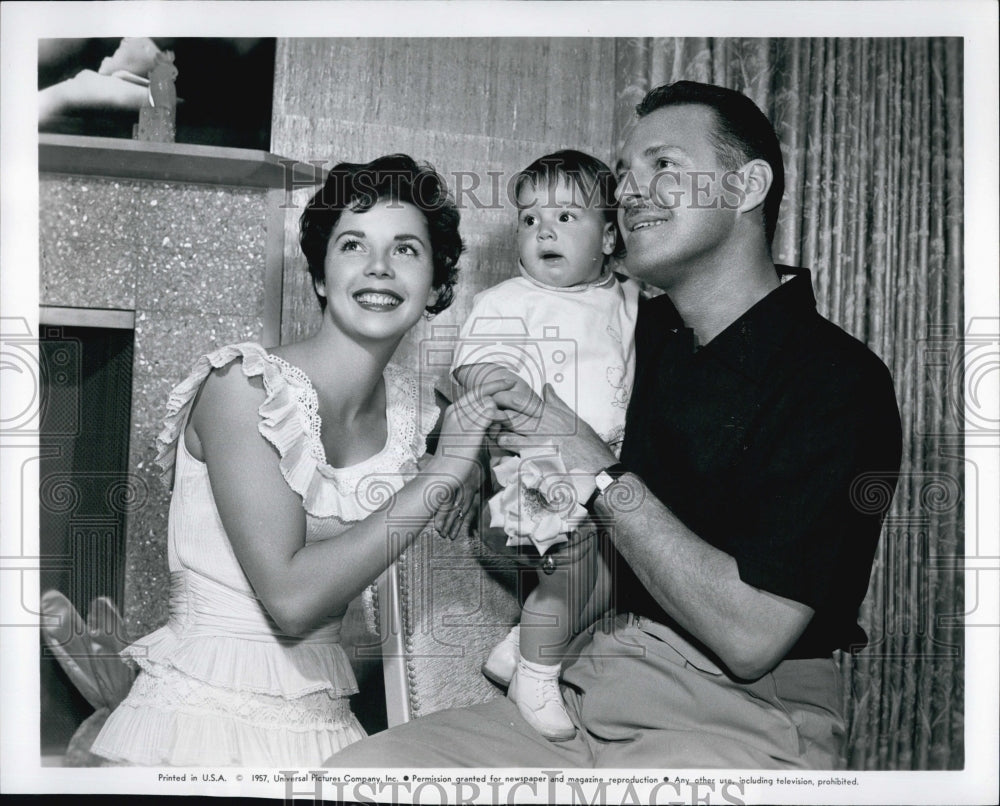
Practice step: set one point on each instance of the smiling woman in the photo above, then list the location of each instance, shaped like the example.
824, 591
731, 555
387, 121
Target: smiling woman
379, 262
286, 463
395, 180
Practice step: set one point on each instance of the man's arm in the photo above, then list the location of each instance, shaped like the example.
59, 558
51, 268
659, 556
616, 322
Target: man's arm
749, 630
799, 536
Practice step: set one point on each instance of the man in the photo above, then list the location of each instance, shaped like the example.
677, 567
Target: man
743, 536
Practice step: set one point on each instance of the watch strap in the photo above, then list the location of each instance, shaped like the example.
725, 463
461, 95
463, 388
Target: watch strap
604, 479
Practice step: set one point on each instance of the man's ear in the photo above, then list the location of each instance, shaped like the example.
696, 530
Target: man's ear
752, 190
609, 238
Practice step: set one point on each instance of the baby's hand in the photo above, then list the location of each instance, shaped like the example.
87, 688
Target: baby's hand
474, 376
471, 376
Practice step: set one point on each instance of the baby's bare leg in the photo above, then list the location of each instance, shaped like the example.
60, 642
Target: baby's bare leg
549, 619
561, 605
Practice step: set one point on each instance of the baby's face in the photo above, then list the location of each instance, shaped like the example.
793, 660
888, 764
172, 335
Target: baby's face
562, 237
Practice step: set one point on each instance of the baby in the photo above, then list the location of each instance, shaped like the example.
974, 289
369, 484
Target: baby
568, 321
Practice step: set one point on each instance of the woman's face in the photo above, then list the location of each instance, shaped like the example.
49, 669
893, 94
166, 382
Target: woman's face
379, 271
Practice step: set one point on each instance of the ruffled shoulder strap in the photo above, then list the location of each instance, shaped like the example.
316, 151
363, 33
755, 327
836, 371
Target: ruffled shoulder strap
254, 363
288, 420
413, 406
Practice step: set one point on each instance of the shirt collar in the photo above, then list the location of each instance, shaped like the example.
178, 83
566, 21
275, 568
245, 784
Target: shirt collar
748, 344
607, 278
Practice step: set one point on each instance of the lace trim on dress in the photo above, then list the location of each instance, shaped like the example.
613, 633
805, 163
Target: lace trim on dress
290, 421
170, 690
263, 667
170, 719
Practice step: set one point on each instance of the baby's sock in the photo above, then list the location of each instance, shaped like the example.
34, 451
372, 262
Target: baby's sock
538, 671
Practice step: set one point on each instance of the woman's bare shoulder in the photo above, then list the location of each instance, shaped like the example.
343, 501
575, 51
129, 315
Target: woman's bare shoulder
227, 399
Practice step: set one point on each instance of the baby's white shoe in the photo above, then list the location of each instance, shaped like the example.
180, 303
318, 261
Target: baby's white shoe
503, 658
540, 702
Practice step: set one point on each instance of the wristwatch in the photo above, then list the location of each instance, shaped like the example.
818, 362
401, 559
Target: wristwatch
604, 479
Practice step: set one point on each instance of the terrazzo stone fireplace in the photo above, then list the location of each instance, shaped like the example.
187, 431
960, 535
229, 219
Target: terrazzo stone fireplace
149, 255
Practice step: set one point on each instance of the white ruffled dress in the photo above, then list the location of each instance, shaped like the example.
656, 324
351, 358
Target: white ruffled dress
220, 684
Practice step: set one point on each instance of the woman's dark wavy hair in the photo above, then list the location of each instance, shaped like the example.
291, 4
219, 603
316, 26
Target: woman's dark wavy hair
595, 181
358, 187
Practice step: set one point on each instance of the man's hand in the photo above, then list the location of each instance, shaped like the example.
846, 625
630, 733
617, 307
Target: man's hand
551, 421
542, 421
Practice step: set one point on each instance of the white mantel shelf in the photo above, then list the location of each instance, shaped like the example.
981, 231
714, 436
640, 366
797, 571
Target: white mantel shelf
170, 162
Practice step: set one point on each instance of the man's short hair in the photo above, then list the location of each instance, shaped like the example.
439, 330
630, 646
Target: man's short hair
742, 133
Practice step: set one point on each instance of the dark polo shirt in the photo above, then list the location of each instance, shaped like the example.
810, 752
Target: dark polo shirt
762, 442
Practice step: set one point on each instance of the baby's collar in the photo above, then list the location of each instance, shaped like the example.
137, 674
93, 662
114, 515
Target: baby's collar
606, 279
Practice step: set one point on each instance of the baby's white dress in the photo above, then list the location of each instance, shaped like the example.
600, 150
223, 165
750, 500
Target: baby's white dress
219, 684
580, 340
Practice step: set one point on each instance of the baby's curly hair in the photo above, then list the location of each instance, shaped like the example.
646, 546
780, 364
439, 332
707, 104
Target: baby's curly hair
358, 187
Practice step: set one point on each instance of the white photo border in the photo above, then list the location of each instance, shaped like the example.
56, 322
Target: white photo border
23, 24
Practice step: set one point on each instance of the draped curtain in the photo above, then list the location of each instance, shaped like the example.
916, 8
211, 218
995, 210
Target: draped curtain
871, 133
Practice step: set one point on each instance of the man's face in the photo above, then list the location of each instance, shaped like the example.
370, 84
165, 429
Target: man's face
676, 213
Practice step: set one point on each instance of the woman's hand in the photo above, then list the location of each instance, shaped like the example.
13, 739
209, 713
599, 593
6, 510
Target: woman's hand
458, 456
303, 584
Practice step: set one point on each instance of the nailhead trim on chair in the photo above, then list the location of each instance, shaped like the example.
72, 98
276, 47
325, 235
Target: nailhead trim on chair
407, 628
